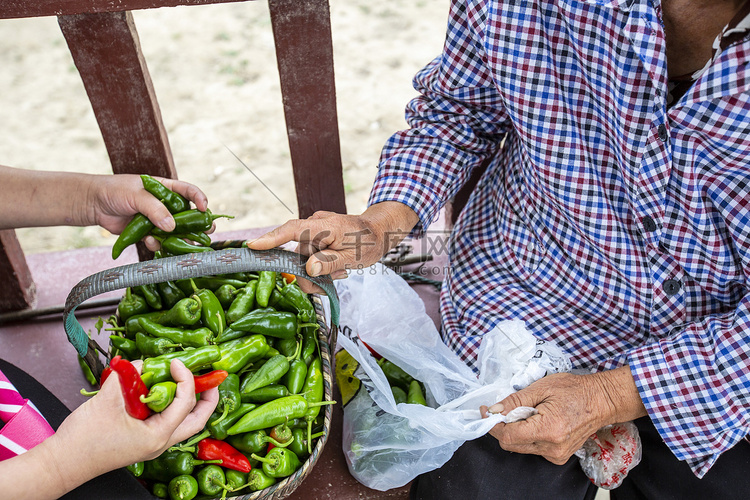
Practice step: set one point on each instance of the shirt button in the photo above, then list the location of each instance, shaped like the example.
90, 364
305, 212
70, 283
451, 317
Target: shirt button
671, 287
663, 135
648, 224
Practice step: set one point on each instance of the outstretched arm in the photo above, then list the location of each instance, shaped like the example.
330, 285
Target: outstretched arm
42, 198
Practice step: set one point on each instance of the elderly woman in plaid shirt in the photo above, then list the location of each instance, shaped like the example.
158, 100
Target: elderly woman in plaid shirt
613, 217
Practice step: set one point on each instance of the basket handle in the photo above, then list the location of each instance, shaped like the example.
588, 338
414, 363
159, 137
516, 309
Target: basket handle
194, 265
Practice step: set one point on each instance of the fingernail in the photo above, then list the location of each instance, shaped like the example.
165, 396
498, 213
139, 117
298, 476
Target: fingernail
167, 224
317, 268
496, 408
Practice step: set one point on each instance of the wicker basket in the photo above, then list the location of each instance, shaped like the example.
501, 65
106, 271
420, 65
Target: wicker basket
194, 265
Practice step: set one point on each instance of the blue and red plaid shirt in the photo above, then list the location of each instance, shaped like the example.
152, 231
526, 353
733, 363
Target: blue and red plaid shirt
610, 222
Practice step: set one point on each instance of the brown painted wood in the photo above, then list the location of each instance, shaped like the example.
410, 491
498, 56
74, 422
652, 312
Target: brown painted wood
18, 290
10, 9
107, 53
304, 51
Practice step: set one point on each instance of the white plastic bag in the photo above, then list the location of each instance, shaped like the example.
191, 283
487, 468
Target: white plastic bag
387, 445
608, 455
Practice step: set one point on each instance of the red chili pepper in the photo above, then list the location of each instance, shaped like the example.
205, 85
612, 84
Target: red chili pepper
288, 278
209, 380
105, 373
132, 386
214, 449
377, 356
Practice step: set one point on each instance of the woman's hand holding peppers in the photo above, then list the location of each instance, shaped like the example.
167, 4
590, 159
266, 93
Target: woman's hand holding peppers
337, 242
115, 199
570, 409
100, 436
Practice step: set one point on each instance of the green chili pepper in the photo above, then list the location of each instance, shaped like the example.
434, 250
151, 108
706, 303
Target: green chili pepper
313, 393
291, 298
160, 396
211, 480
173, 201
191, 221
169, 293
225, 293
126, 346
395, 375
283, 434
200, 238
271, 371
218, 430
229, 334
160, 490
229, 396
87, 373
265, 394
151, 294
150, 346
266, 285
131, 324
416, 395
212, 313
236, 354
214, 282
131, 305
170, 464
271, 352
309, 344
177, 246
253, 442
243, 302
287, 347
199, 337
195, 360
235, 478
257, 480
297, 422
294, 379
273, 413
300, 444
136, 469
183, 487
138, 227
266, 321
279, 462
398, 394
187, 312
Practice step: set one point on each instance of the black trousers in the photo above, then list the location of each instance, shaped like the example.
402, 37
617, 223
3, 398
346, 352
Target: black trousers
481, 469
115, 485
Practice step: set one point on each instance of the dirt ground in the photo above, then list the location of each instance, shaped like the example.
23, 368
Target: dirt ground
216, 80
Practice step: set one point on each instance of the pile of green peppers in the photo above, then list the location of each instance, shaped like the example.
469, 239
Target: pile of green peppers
405, 388
260, 329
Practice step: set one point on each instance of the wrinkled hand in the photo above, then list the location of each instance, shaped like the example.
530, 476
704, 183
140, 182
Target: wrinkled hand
336, 242
570, 409
111, 439
115, 199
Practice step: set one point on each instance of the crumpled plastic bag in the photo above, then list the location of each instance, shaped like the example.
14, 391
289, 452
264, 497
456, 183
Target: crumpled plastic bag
386, 445
608, 455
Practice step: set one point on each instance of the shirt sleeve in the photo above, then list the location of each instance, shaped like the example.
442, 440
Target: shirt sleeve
456, 123
695, 385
